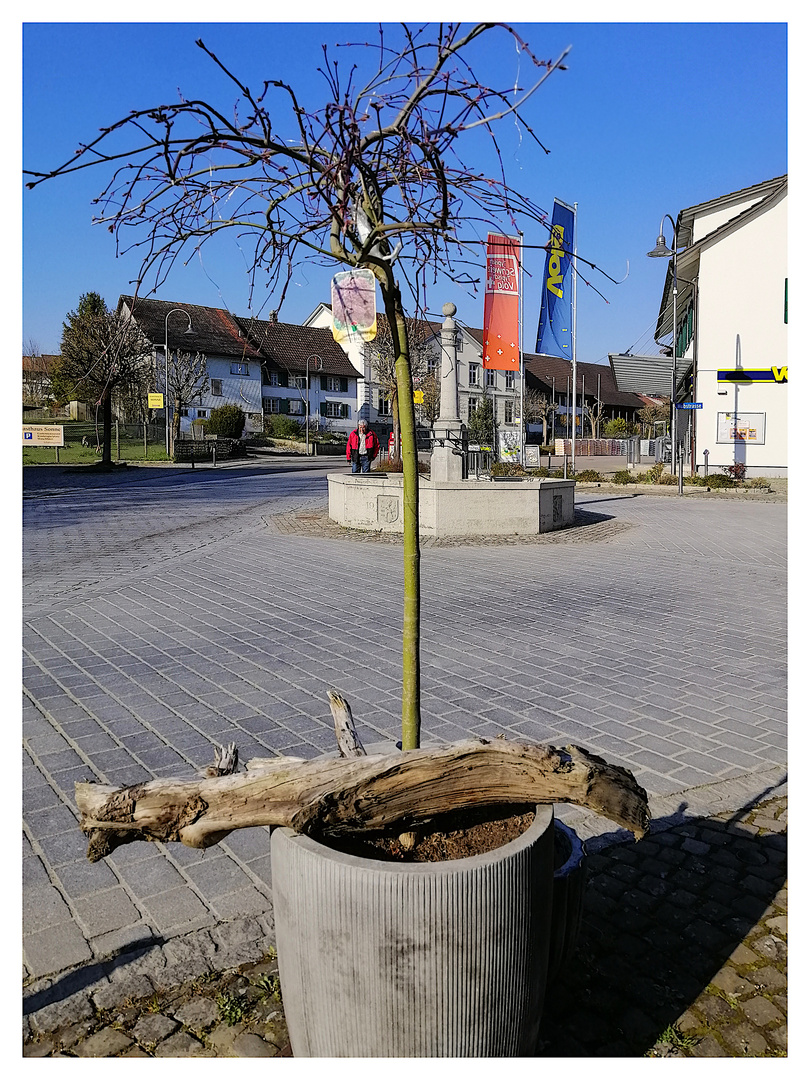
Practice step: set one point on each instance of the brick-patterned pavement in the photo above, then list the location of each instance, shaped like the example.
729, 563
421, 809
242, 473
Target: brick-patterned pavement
168, 610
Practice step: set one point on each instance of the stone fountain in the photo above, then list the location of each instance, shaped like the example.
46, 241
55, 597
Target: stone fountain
450, 503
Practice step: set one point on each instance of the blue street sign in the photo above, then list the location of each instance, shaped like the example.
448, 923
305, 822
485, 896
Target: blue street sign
689, 405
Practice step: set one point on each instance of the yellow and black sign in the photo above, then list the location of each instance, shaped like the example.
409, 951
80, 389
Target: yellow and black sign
154, 401
743, 375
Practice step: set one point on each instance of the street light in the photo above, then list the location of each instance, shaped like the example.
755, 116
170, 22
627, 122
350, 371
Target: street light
318, 366
661, 250
182, 311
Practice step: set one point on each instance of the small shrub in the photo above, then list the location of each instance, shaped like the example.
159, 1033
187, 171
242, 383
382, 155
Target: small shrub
759, 483
389, 466
667, 479
507, 468
227, 421
697, 480
623, 476
719, 480
589, 476
735, 471
282, 427
541, 473
557, 474
656, 472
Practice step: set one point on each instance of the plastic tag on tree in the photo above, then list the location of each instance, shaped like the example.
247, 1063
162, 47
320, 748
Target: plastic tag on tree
354, 307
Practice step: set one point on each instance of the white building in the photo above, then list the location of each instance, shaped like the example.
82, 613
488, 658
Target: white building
263, 366
731, 332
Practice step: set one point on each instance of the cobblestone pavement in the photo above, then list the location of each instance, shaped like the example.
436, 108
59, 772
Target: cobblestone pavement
682, 953
167, 610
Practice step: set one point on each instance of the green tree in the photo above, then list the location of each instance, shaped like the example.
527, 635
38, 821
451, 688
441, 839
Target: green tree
618, 428
227, 421
375, 178
481, 425
102, 353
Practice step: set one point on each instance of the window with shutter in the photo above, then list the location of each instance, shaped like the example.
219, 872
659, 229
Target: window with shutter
344, 386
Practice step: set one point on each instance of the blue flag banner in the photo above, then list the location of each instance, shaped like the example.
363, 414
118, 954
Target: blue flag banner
557, 306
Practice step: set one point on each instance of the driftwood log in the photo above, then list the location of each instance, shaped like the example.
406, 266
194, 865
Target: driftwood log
333, 796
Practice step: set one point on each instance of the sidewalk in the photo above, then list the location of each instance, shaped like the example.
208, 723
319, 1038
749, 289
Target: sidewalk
650, 976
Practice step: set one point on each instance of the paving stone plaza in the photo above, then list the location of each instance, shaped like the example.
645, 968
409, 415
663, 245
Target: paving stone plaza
167, 610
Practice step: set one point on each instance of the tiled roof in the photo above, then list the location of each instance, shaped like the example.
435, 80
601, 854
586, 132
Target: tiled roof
216, 332
540, 370
287, 346
38, 364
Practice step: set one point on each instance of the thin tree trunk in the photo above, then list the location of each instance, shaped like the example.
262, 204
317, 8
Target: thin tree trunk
178, 404
411, 716
106, 438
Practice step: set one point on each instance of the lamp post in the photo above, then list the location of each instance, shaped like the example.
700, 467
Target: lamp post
661, 250
318, 366
182, 311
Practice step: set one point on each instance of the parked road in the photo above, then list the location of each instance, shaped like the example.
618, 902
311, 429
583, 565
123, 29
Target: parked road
167, 610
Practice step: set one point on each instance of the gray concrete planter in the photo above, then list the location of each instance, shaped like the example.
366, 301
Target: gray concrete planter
568, 895
384, 959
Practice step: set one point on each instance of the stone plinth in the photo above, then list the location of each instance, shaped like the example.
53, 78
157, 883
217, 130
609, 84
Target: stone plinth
452, 508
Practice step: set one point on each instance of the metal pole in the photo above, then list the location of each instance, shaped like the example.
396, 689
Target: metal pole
568, 414
674, 420
521, 362
554, 413
574, 345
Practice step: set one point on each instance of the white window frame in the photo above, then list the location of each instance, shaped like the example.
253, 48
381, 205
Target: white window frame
216, 388
491, 377
297, 407
474, 374
238, 367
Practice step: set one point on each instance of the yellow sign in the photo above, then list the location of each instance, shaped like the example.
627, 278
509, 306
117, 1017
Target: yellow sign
419, 397
154, 401
43, 435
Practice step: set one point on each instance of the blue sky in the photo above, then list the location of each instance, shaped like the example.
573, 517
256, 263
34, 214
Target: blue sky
649, 118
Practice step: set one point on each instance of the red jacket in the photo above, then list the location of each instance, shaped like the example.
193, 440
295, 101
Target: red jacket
372, 445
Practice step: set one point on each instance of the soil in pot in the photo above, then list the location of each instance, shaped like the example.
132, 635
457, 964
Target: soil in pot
459, 835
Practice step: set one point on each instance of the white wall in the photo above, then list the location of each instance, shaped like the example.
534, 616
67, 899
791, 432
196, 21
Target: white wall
741, 300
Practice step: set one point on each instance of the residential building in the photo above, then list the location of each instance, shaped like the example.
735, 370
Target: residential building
730, 332
263, 366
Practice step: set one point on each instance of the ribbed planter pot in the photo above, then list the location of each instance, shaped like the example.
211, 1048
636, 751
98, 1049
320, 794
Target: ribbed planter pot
568, 895
381, 959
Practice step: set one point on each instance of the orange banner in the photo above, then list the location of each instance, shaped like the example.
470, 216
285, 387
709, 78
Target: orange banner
502, 304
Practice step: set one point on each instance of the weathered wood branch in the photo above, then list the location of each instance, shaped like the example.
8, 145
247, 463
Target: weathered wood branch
345, 732
382, 793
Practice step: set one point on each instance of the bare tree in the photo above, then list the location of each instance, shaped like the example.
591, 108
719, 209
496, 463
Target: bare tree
428, 408
375, 178
382, 355
538, 408
596, 414
188, 381
36, 380
654, 414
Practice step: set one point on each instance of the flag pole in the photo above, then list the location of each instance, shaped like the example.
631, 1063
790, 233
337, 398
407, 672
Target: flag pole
521, 362
574, 348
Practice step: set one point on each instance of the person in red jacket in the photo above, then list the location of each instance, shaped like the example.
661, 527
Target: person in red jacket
361, 449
